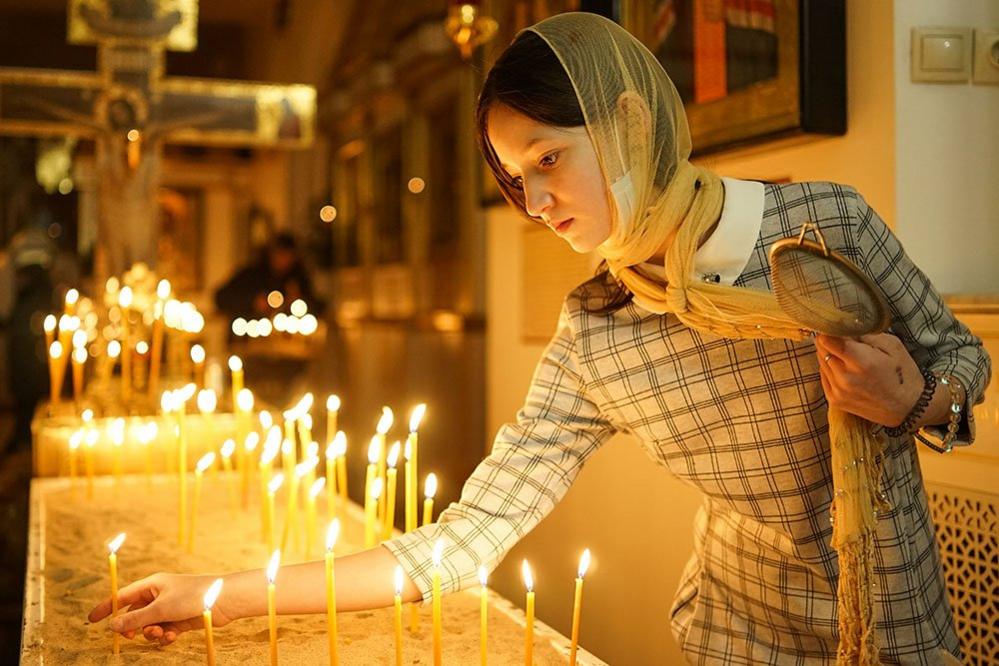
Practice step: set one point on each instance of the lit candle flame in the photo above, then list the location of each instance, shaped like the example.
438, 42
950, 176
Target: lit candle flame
398, 580
235, 363
266, 420
244, 400
584, 562
438, 553
417, 416
312, 451
251, 442
117, 431
393, 455
166, 402
87, 415
55, 350
80, 355
306, 420
92, 438
163, 290
72, 296
525, 570
430, 486
287, 447
333, 403
374, 450
197, 354
142, 347
483, 575
79, 339
303, 468
206, 461
50, 323
186, 393
213, 593
114, 349
115, 543
275, 483
332, 534
408, 451
228, 447
75, 439
125, 297
207, 401
317, 487
376, 489
305, 404
385, 422
340, 442
272, 566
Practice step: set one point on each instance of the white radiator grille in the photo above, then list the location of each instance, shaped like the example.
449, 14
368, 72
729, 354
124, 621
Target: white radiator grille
967, 525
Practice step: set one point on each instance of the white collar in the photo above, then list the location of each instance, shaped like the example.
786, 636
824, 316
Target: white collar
730, 247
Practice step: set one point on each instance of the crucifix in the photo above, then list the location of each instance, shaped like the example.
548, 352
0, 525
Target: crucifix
130, 109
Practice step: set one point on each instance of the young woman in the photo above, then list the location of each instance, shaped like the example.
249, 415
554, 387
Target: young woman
585, 133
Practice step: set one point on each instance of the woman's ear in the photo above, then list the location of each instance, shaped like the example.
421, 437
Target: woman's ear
634, 126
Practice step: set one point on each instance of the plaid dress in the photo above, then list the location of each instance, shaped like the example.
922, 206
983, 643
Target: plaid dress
745, 422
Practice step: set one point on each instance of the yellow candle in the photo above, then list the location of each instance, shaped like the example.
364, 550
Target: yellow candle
371, 474
438, 555
577, 604
384, 425
156, 347
210, 596
311, 459
125, 303
236, 368
332, 533
272, 571
409, 504
55, 375
413, 445
529, 630
244, 407
75, 440
389, 521
398, 615
113, 547
272, 488
266, 467
79, 359
332, 413
330, 482
341, 463
207, 401
204, 463
305, 433
429, 490
228, 448
314, 490
370, 517
113, 353
250, 445
198, 359
291, 517
483, 613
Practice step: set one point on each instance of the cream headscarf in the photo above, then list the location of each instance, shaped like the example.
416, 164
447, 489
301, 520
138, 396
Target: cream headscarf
638, 127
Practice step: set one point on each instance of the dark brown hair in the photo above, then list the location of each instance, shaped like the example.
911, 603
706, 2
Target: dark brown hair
529, 79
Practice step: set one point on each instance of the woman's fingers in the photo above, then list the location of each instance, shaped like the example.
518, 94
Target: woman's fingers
127, 596
136, 619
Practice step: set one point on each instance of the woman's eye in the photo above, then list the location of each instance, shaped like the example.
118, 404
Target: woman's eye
518, 182
549, 160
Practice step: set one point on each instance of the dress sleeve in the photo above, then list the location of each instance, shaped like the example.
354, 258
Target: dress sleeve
919, 316
532, 464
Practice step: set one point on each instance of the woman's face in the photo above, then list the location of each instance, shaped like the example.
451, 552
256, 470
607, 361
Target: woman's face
558, 171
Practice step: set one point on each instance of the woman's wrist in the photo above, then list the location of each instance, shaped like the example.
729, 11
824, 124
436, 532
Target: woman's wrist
246, 593
939, 410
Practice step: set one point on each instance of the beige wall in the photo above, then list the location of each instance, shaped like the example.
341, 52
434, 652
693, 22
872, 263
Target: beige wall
634, 516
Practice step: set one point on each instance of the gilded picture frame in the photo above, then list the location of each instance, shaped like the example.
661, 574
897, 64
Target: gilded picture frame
793, 50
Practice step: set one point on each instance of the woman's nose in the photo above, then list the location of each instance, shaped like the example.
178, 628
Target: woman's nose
537, 200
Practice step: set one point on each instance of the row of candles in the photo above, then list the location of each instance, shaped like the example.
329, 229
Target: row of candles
332, 534
67, 340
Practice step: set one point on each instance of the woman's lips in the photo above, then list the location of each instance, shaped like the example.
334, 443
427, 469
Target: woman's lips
563, 226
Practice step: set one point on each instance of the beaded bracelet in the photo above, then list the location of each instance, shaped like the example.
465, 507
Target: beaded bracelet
954, 416
906, 426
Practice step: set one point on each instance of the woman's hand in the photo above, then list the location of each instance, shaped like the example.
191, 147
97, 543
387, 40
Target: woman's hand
872, 377
163, 606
